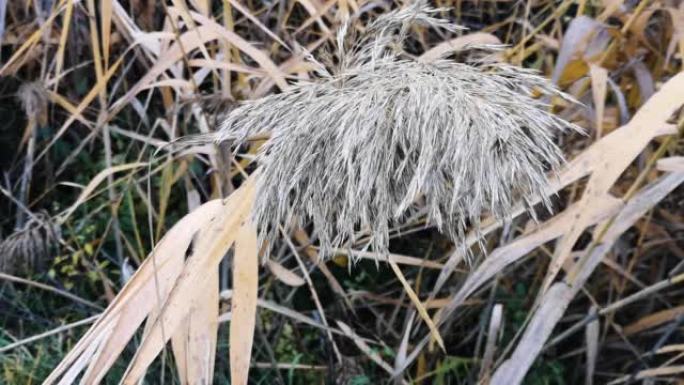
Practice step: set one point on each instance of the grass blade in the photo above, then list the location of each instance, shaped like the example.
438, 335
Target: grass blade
244, 303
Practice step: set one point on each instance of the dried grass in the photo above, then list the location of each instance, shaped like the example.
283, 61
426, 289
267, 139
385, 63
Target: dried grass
30, 247
374, 131
382, 137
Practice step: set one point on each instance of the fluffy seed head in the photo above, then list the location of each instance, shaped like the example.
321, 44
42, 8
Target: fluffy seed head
367, 146
28, 248
34, 101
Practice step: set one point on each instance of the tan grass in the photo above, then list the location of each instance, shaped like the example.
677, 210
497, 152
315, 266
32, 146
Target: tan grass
378, 136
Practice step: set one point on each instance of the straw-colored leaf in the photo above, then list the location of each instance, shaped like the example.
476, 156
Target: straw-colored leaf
390, 257
30, 42
673, 371
599, 87
194, 344
208, 30
253, 19
400, 359
671, 164
505, 255
365, 348
282, 310
66, 22
161, 289
501, 257
514, 369
66, 105
244, 303
448, 47
106, 24
592, 340
626, 144
92, 185
151, 283
211, 245
495, 322
653, 320
90, 96
584, 39
555, 300
284, 275
419, 306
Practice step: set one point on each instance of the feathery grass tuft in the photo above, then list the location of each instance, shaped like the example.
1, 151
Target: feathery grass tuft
34, 100
363, 148
29, 247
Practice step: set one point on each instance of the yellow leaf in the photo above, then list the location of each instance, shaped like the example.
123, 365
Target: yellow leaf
419, 306
244, 303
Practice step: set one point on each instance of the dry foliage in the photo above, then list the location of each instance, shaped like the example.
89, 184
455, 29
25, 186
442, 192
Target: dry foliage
359, 131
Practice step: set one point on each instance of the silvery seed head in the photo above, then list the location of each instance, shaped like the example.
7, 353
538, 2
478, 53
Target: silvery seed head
34, 101
365, 147
29, 247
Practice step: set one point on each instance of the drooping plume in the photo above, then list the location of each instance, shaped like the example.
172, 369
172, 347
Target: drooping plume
366, 145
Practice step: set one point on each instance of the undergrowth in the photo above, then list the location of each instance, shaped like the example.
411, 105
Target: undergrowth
94, 96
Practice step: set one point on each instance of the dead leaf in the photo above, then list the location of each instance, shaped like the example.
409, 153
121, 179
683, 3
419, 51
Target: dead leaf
653, 320
284, 275
153, 280
244, 303
495, 321
671, 164
194, 344
513, 370
625, 145
363, 346
599, 87
584, 40
592, 340
553, 303
419, 306
92, 185
460, 43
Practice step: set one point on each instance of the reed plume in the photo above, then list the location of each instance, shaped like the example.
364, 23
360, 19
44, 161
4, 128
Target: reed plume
380, 135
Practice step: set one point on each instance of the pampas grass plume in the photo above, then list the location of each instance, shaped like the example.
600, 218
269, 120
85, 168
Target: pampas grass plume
382, 135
